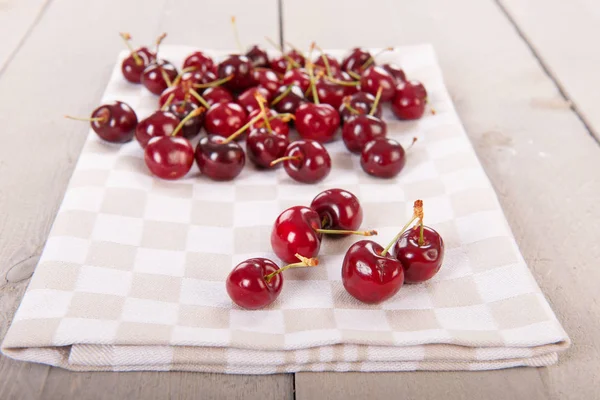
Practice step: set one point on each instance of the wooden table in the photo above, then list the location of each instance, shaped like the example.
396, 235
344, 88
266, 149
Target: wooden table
527, 92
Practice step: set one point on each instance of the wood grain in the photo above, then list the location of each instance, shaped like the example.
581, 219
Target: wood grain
63, 68
539, 157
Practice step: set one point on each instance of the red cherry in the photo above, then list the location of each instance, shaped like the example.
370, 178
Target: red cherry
338, 209
358, 130
331, 67
395, 71
169, 157
306, 161
219, 159
200, 61
297, 57
192, 126
298, 77
278, 122
114, 122
421, 257
266, 78
377, 77
159, 123
258, 57
248, 98
248, 287
295, 232
241, 69
153, 77
351, 87
330, 92
224, 119
288, 99
383, 158
359, 103
215, 95
264, 147
355, 60
133, 65
317, 122
409, 100
177, 93
369, 274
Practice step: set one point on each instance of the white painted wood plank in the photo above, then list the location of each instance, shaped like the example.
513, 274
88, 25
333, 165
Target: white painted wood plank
539, 156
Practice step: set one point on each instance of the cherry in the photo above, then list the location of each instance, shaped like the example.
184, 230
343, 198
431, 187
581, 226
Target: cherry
395, 71
355, 60
306, 161
158, 76
170, 157
258, 57
248, 98
420, 250
114, 122
264, 147
267, 79
241, 69
133, 66
281, 64
192, 126
200, 62
376, 77
216, 95
409, 100
159, 123
348, 83
331, 92
257, 282
288, 99
328, 64
360, 129
383, 158
201, 81
177, 93
338, 209
359, 103
297, 57
298, 77
224, 119
278, 122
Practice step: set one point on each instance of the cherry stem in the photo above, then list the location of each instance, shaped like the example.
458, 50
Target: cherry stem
312, 82
304, 262
165, 76
218, 82
261, 103
349, 107
236, 34
282, 95
290, 60
165, 106
414, 140
184, 121
433, 112
158, 42
346, 232
340, 82
272, 43
325, 61
243, 128
371, 59
199, 98
285, 158
353, 74
286, 117
126, 38
376, 102
417, 214
183, 71
96, 119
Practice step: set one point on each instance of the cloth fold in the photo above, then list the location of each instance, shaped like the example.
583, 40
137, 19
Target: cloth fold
132, 275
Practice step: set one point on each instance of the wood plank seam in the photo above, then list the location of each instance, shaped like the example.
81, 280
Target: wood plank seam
561, 89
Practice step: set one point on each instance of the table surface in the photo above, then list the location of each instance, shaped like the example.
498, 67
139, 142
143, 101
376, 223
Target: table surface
525, 91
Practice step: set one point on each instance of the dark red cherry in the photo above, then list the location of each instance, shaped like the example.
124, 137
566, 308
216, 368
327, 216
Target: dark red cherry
298, 77
241, 69
200, 61
134, 65
295, 232
383, 158
169, 157
297, 57
159, 123
278, 123
409, 100
375, 77
396, 72
306, 161
192, 126
361, 102
279, 65
334, 65
193, 78
358, 130
288, 99
248, 101
317, 122
223, 119
258, 57
338, 209
355, 60
421, 257
179, 92
263, 147
349, 89
219, 159
215, 95
153, 77
370, 276
266, 78
114, 122
248, 287
330, 92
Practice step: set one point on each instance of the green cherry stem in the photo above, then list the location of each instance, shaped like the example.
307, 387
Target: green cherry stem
376, 102
417, 213
165, 106
126, 38
218, 82
371, 59
261, 103
340, 82
184, 121
312, 82
282, 95
346, 232
354, 75
236, 34
237, 133
350, 108
325, 60
199, 98
304, 262
285, 158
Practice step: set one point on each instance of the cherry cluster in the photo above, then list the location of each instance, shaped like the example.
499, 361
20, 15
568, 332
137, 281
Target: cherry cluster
248, 95
370, 272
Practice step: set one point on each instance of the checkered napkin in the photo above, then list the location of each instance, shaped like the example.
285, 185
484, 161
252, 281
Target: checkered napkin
132, 276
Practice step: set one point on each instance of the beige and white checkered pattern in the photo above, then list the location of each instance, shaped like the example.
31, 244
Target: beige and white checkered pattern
132, 276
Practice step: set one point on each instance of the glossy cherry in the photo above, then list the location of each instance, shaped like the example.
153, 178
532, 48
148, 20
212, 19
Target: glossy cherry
298, 77
288, 99
223, 119
396, 72
317, 122
359, 103
383, 158
169, 157
241, 69
267, 79
264, 147
355, 60
192, 126
351, 85
330, 92
248, 101
338, 209
295, 232
278, 122
134, 64
215, 95
358, 130
219, 160
409, 100
420, 255
306, 161
258, 57
330, 67
200, 61
114, 122
248, 287
153, 77
376, 77
159, 123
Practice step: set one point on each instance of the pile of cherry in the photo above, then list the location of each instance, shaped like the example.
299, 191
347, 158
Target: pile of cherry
249, 95
370, 272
